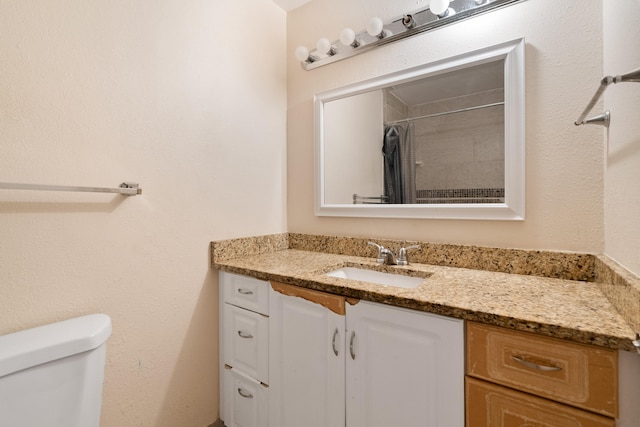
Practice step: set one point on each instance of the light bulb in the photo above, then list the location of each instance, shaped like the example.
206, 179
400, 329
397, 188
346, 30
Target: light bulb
374, 27
302, 54
347, 37
439, 7
324, 46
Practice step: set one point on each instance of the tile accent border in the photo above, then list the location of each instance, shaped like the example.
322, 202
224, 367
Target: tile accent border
462, 195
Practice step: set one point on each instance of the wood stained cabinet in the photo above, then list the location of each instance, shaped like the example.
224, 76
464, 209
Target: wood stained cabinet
520, 379
490, 405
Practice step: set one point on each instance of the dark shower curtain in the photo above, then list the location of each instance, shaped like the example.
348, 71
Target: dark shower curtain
399, 164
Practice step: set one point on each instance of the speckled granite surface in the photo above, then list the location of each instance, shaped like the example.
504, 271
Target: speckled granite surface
561, 265
229, 249
485, 290
621, 287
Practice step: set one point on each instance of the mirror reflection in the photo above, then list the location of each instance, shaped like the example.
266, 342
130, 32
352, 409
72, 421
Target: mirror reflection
430, 141
445, 136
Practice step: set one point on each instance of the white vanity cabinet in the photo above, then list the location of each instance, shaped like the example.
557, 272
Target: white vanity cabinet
333, 363
404, 368
244, 351
306, 358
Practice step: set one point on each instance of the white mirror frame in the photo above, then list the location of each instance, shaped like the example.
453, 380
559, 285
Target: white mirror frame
513, 207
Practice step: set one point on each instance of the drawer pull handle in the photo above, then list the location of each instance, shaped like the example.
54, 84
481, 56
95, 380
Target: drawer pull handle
535, 366
244, 335
333, 343
245, 291
244, 394
351, 350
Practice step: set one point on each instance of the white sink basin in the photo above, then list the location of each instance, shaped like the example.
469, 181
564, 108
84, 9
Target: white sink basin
377, 277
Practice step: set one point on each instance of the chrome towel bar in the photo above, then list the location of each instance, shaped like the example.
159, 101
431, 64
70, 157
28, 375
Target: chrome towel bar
126, 188
605, 118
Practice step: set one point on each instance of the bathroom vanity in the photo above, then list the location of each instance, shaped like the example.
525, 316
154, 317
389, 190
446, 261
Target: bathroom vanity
464, 347
329, 355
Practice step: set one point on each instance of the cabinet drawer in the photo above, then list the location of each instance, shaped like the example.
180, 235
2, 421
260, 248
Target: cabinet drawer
246, 292
490, 405
576, 374
246, 342
246, 401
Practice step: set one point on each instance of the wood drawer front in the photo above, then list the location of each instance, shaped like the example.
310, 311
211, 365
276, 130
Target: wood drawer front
579, 375
246, 292
246, 342
490, 405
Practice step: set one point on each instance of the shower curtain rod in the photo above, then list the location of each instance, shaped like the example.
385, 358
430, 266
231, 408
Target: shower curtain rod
445, 113
126, 188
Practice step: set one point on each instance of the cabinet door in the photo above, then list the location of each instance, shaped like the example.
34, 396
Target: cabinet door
306, 359
404, 368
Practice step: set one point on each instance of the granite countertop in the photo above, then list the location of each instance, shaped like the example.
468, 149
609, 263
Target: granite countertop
555, 307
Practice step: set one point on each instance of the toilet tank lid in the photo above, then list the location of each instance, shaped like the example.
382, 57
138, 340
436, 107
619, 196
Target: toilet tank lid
31, 347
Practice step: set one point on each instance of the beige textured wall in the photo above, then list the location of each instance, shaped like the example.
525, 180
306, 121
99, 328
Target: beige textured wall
188, 98
622, 143
356, 136
564, 164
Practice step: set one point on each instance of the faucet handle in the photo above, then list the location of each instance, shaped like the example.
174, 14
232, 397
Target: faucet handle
402, 254
381, 249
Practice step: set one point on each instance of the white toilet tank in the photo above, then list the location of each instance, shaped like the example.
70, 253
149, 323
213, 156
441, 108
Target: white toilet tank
52, 375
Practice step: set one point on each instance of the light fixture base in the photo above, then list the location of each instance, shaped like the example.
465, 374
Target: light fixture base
400, 28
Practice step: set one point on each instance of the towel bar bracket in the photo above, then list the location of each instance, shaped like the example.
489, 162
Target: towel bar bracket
133, 186
604, 119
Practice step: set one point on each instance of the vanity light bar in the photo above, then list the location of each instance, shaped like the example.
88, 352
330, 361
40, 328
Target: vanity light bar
440, 13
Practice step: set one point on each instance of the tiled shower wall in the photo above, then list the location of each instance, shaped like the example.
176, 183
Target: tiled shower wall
456, 151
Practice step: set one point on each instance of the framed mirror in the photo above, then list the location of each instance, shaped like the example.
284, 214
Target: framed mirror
443, 140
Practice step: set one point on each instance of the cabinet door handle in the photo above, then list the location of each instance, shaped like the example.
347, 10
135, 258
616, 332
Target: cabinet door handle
351, 350
333, 343
535, 366
245, 291
244, 394
243, 335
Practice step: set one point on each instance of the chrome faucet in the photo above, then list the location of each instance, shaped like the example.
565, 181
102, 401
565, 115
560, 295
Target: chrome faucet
402, 254
381, 256
387, 257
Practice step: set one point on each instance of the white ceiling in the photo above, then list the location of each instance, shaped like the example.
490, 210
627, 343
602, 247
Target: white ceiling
288, 5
